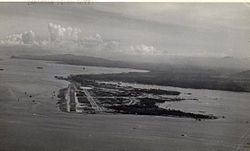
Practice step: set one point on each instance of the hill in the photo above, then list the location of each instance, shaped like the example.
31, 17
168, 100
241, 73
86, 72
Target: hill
186, 76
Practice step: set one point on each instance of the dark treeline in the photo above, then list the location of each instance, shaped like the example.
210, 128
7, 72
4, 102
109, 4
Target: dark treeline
199, 81
154, 110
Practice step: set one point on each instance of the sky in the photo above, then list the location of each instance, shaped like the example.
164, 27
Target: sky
124, 30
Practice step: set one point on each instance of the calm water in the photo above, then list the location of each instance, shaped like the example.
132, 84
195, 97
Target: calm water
28, 68
21, 76
233, 105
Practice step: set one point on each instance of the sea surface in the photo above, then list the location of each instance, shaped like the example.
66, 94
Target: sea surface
36, 123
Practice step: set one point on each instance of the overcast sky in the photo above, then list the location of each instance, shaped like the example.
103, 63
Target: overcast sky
188, 29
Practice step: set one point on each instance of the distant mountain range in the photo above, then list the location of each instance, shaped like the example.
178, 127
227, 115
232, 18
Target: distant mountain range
188, 76
75, 60
243, 74
191, 63
153, 62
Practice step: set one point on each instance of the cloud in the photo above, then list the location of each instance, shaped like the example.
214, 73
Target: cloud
62, 38
58, 33
98, 43
27, 37
143, 49
91, 41
70, 39
112, 45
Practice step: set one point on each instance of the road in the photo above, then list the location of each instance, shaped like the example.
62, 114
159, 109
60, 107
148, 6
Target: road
67, 98
92, 101
71, 97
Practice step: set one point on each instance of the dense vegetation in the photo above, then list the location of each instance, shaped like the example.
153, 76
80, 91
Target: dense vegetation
197, 81
150, 109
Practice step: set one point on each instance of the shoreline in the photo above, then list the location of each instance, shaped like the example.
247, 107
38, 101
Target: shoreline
140, 78
125, 105
165, 75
